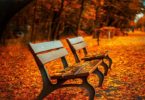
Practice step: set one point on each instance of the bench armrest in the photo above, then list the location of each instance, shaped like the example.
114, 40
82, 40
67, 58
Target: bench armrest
93, 57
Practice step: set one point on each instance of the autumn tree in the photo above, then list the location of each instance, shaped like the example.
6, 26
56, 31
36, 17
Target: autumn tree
120, 12
50, 19
141, 23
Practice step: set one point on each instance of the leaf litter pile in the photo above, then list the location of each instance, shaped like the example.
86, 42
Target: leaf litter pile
20, 78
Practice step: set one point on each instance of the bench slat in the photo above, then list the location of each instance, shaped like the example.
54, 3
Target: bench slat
40, 47
76, 40
81, 68
52, 55
95, 67
87, 67
79, 45
77, 70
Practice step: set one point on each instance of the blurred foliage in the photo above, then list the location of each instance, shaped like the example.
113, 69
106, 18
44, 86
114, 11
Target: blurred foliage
50, 19
141, 22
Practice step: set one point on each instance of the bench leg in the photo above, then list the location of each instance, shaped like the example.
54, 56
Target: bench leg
48, 88
85, 84
101, 77
90, 88
44, 93
105, 67
110, 61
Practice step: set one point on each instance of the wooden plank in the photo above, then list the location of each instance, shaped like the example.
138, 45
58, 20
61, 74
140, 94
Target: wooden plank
82, 67
75, 40
52, 55
72, 71
79, 45
79, 70
86, 67
70, 76
44, 46
95, 67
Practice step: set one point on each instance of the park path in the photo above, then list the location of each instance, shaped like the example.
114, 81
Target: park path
20, 78
125, 80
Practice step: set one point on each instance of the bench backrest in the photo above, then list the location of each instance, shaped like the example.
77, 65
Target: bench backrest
47, 51
75, 44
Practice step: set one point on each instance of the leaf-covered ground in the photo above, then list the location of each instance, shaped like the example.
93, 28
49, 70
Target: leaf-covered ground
20, 78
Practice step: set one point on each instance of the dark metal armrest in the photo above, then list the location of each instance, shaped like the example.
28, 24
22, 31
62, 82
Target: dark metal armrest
93, 57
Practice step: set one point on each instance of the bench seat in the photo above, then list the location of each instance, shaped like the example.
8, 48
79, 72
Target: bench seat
76, 70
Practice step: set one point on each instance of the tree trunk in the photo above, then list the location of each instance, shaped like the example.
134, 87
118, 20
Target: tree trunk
80, 15
55, 22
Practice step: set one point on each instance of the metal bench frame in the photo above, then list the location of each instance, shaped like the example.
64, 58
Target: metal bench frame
78, 43
39, 52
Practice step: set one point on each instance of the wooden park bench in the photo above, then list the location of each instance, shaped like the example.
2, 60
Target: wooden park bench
45, 52
78, 43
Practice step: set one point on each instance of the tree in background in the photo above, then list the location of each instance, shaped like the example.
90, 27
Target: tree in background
141, 23
119, 13
50, 19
